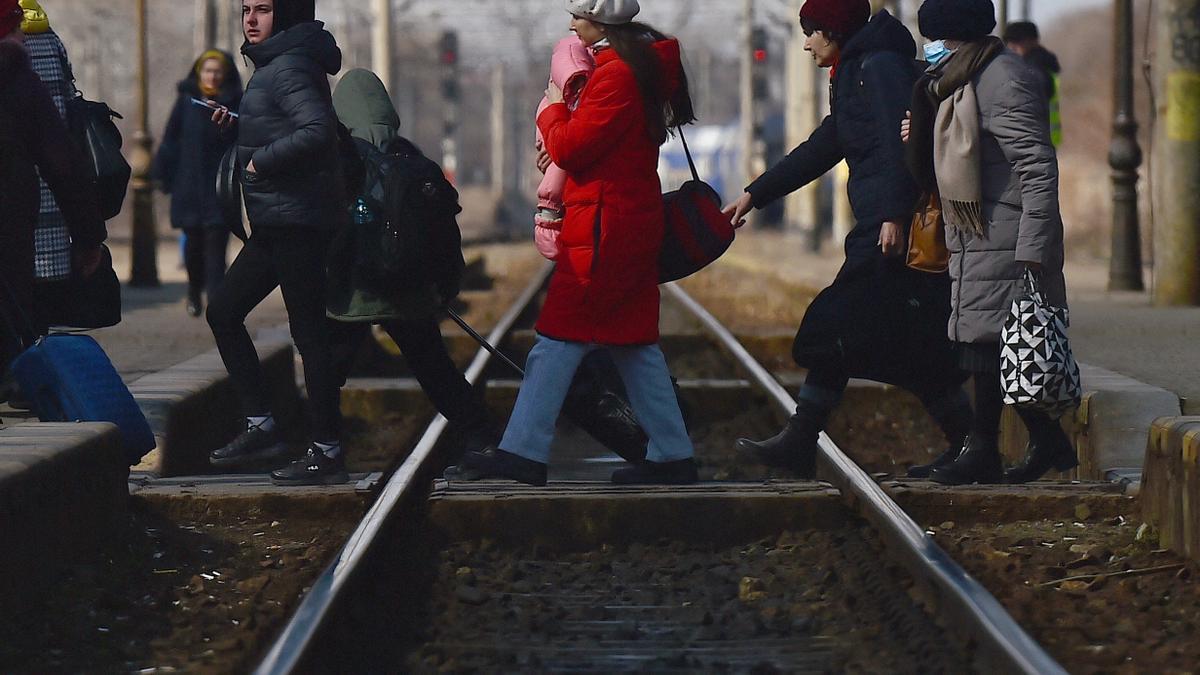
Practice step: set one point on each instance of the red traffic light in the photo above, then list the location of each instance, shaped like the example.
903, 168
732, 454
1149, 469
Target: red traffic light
760, 55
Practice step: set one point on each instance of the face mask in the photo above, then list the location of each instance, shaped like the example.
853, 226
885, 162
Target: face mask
936, 51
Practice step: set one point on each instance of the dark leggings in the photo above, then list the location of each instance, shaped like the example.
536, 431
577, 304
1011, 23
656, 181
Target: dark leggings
420, 340
292, 259
204, 257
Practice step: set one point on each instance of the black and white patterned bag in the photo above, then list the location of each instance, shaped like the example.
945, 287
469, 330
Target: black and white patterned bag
1037, 368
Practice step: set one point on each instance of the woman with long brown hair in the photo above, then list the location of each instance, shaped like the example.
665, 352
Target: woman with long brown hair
604, 292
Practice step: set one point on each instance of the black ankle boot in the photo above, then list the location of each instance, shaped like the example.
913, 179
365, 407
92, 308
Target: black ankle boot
945, 459
978, 463
494, 463
953, 416
793, 448
1049, 448
680, 472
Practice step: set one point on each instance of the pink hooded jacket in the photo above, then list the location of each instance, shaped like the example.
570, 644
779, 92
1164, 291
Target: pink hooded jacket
570, 67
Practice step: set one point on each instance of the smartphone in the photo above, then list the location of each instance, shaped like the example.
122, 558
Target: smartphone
211, 106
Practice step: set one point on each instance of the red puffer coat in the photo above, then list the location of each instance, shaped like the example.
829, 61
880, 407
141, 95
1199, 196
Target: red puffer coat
605, 288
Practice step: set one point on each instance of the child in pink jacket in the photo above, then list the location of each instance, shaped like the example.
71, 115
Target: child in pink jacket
570, 68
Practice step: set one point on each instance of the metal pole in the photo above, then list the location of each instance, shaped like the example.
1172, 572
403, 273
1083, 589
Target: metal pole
381, 43
1177, 154
205, 28
747, 92
500, 181
1027, 10
1125, 156
144, 266
1002, 20
802, 116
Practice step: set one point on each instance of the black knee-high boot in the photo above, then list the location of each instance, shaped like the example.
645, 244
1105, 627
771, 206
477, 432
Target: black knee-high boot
795, 447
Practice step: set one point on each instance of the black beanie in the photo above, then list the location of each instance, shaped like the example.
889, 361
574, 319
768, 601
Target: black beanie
290, 13
956, 19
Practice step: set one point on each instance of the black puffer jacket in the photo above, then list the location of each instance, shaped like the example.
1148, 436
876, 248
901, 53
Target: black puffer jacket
191, 150
288, 127
870, 93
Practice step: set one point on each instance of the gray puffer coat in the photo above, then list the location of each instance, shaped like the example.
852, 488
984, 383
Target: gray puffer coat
1020, 205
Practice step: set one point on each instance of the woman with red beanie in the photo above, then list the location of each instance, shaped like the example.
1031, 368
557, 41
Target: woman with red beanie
879, 320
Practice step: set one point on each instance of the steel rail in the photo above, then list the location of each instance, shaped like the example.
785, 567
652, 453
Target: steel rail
999, 635
292, 646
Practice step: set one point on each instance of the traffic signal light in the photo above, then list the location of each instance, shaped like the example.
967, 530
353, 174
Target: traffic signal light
759, 54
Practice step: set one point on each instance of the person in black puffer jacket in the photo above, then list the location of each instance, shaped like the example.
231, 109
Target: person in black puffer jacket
879, 320
287, 148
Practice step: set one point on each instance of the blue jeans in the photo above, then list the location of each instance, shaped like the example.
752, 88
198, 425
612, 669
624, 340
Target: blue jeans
548, 374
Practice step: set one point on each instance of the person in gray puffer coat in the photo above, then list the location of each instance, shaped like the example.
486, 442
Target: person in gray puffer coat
997, 174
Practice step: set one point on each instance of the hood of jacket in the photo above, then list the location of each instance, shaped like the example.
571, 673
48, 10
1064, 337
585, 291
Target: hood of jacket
309, 39
35, 21
1043, 58
363, 105
231, 88
883, 33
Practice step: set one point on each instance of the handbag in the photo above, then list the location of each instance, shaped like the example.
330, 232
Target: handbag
91, 302
1037, 368
93, 130
927, 250
592, 404
696, 231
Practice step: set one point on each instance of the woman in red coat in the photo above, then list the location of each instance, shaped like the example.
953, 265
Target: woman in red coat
604, 292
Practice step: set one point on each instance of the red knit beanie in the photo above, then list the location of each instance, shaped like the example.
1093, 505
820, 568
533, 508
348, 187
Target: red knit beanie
840, 17
10, 16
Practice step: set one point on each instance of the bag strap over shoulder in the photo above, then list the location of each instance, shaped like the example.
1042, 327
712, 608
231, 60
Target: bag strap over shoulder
1033, 286
688, 152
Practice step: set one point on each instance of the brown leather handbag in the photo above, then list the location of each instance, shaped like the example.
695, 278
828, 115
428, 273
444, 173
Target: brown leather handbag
927, 250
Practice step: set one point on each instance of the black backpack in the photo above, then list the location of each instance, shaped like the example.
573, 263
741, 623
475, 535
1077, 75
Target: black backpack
93, 130
404, 229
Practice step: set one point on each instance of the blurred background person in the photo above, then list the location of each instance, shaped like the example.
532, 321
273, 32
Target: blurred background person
1023, 38
186, 168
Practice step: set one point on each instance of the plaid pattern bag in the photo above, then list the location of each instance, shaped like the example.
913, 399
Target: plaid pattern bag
1037, 368
52, 258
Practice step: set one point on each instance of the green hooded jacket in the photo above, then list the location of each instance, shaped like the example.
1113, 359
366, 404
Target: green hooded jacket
364, 107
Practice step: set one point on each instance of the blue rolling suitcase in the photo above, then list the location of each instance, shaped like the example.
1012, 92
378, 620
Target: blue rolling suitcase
69, 378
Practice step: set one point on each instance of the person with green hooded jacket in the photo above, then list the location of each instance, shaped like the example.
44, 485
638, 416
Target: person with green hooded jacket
410, 314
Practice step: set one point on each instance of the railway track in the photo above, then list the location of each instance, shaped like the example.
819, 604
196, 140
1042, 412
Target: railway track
582, 576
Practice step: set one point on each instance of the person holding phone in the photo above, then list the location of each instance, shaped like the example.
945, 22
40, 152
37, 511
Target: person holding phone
287, 146
186, 168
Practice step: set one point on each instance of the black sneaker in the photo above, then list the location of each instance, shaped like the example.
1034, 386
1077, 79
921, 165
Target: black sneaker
681, 472
253, 445
314, 468
496, 463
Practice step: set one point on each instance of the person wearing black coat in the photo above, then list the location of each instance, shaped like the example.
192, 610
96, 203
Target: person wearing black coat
879, 320
292, 183
186, 168
33, 141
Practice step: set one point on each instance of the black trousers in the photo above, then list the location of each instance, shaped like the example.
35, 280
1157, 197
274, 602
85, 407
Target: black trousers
204, 257
420, 340
292, 259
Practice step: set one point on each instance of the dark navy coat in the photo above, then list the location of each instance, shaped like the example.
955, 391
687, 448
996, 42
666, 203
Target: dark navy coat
191, 150
879, 320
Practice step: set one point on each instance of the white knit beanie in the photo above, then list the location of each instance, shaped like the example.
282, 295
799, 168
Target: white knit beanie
611, 12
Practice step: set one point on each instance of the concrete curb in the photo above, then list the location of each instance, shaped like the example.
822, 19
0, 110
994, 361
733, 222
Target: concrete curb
1171, 498
193, 409
62, 490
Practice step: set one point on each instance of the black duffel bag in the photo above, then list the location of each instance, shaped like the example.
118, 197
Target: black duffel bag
93, 130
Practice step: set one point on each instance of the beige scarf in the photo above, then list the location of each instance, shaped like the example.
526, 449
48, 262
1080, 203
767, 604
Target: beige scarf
956, 160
